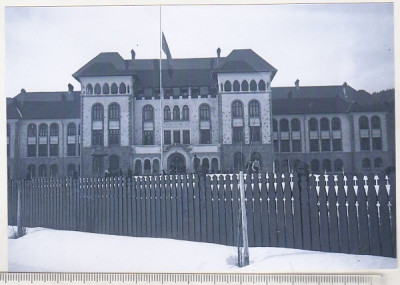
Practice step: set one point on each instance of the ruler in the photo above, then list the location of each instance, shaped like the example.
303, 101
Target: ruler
187, 278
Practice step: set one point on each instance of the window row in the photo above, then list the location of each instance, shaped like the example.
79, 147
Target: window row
176, 93
244, 86
114, 114
366, 164
363, 122
53, 171
107, 89
237, 109
175, 137
147, 167
324, 125
176, 113
205, 166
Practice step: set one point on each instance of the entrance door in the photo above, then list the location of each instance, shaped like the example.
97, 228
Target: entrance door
176, 164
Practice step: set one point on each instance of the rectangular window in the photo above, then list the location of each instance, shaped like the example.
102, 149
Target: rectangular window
314, 145
98, 163
296, 145
148, 138
205, 136
364, 144
167, 137
71, 149
377, 143
54, 150
325, 145
31, 150
285, 146
186, 137
337, 144
255, 134
97, 137
43, 150
113, 137
177, 136
237, 134
276, 146
195, 92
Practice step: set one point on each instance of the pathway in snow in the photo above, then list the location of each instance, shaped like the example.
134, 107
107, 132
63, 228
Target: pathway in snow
68, 251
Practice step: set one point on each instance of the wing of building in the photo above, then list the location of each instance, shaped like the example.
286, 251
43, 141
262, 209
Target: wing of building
198, 114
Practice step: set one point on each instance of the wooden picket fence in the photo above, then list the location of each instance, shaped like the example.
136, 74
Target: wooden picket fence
332, 213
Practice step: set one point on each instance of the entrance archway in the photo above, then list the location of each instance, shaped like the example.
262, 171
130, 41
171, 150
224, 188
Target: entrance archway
176, 163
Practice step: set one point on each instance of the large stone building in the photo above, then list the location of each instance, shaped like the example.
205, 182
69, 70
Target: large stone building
214, 114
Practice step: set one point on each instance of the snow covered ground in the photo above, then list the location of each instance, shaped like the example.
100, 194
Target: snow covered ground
67, 251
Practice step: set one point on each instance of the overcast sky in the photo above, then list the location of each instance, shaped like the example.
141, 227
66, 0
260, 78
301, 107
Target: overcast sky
318, 44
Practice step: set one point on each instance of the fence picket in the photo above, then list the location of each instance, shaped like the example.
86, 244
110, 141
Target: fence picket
333, 217
190, 206
343, 217
392, 200
235, 209
314, 214
196, 199
215, 210
352, 210
228, 211
273, 238
297, 225
384, 219
287, 192
153, 206
280, 212
249, 208
264, 211
174, 221
374, 237
363, 216
221, 210
179, 206
323, 214
204, 206
186, 220
168, 206
158, 206
163, 206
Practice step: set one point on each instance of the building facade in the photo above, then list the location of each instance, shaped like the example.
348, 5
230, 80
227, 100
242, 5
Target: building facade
195, 114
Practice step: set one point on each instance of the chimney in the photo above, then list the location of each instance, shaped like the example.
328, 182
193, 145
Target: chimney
133, 54
23, 91
219, 52
70, 88
297, 84
344, 89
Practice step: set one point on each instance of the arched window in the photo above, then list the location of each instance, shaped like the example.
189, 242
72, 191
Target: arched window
113, 124
326, 165
338, 165
167, 113
176, 113
261, 85
363, 123
314, 166
204, 112
254, 108
253, 85
31, 171
31, 130
53, 170
138, 167
97, 112
227, 86
196, 163
122, 88
32, 140
205, 165
114, 163
237, 109
245, 85
71, 141
97, 124
97, 89
336, 124
366, 164
284, 125
295, 124
147, 167
71, 129
313, 124
156, 166
256, 156
214, 165
375, 122
43, 130
148, 113
378, 163
43, 139
238, 161
324, 124
114, 88
106, 88
42, 170
71, 169
89, 89
236, 85
185, 113
274, 125
54, 129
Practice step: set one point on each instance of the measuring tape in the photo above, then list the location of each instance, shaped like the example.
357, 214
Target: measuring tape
187, 278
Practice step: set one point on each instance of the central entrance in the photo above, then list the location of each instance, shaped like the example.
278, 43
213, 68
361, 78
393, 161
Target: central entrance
176, 163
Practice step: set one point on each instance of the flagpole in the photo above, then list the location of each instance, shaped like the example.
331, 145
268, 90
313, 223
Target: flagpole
161, 98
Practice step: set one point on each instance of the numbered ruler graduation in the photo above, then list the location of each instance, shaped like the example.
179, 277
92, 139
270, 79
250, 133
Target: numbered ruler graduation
187, 278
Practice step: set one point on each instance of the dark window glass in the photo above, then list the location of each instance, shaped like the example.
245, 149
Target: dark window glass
253, 85
363, 123
227, 86
97, 88
254, 108
255, 134
71, 149
313, 124
167, 113
97, 112
296, 145
366, 164
337, 144
42, 170
97, 137
204, 112
237, 134
237, 109
90, 89
32, 130
236, 85
284, 125
326, 145
54, 130
53, 170
245, 85
314, 145
326, 165
31, 150
336, 124
238, 161
71, 129
147, 167
53, 149
176, 113
295, 124
324, 124
184, 92
364, 144
43, 130
114, 88
186, 136
98, 163
205, 136
113, 112
338, 165
314, 166
106, 89
196, 91
261, 85
276, 146
274, 125
122, 88
185, 113
285, 146
114, 163
148, 138
378, 163
167, 137
31, 170
375, 122
138, 167
113, 137
377, 143
148, 113
71, 169
177, 136
42, 149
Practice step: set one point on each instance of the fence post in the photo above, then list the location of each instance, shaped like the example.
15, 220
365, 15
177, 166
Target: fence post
19, 216
243, 256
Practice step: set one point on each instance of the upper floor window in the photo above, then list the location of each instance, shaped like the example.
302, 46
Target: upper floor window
274, 125
97, 89
313, 124
113, 111
176, 114
254, 108
122, 88
32, 130
148, 113
253, 85
295, 124
336, 124
284, 125
375, 122
106, 88
324, 124
89, 89
114, 88
97, 112
71, 129
227, 86
237, 109
245, 85
43, 130
185, 113
261, 85
204, 112
236, 85
54, 129
167, 113
363, 123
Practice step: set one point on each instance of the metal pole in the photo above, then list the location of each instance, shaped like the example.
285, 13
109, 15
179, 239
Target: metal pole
244, 236
19, 217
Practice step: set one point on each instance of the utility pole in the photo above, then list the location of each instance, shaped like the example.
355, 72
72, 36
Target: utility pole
243, 241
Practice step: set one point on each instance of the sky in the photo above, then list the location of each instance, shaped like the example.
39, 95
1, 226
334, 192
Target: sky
318, 44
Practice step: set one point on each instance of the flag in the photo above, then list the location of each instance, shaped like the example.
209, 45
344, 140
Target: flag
165, 48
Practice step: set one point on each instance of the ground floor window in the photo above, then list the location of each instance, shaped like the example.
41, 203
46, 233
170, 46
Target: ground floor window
43, 150
54, 150
98, 163
205, 136
186, 136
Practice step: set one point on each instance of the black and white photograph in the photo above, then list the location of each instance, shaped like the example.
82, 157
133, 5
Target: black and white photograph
201, 138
